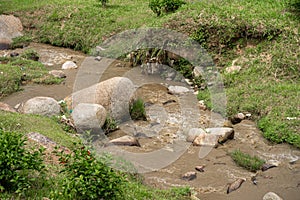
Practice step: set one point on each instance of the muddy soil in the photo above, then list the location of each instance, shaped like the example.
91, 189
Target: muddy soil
219, 169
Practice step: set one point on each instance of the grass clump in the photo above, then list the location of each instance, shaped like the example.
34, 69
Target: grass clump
251, 163
137, 110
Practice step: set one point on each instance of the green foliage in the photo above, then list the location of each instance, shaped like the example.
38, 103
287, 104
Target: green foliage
17, 163
89, 177
110, 125
278, 132
20, 42
103, 2
20, 123
137, 110
10, 78
165, 6
30, 54
17, 71
251, 163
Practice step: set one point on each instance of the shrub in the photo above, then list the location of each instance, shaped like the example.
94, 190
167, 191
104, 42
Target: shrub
88, 177
137, 110
165, 6
17, 163
251, 163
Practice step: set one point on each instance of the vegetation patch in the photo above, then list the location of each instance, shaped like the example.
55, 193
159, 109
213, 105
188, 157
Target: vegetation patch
251, 163
137, 110
23, 124
17, 163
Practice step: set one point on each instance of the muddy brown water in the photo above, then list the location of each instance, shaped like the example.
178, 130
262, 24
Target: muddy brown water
219, 169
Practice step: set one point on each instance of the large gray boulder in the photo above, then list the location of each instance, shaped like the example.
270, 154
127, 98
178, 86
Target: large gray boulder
10, 27
46, 106
89, 117
113, 94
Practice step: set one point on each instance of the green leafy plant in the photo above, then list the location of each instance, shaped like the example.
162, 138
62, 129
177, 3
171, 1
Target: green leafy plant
88, 177
17, 163
20, 42
110, 125
137, 110
251, 163
165, 6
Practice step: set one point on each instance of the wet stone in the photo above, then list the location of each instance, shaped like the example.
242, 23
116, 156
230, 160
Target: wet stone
189, 176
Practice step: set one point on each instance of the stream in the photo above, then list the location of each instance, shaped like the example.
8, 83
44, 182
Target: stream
167, 118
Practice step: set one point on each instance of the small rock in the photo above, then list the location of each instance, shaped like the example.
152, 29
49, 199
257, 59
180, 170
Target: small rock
178, 89
224, 133
193, 133
235, 185
58, 73
98, 58
238, 118
6, 107
270, 164
14, 54
125, 141
271, 196
189, 176
46, 106
69, 65
197, 71
202, 105
233, 69
200, 168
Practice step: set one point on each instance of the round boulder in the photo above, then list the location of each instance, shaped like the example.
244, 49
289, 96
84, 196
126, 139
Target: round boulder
89, 117
46, 106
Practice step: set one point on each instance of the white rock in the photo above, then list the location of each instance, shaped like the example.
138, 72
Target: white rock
197, 71
125, 141
223, 133
57, 73
233, 69
89, 117
69, 65
271, 196
206, 140
193, 133
46, 106
189, 176
178, 89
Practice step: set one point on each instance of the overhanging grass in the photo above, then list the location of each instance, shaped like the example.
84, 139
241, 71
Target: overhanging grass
27, 123
18, 71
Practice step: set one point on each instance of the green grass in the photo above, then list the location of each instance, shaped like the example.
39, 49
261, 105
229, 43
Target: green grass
137, 110
18, 71
28, 123
251, 163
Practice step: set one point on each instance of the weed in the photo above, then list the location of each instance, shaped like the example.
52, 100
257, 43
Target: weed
137, 110
251, 163
30, 54
110, 125
165, 6
20, 42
